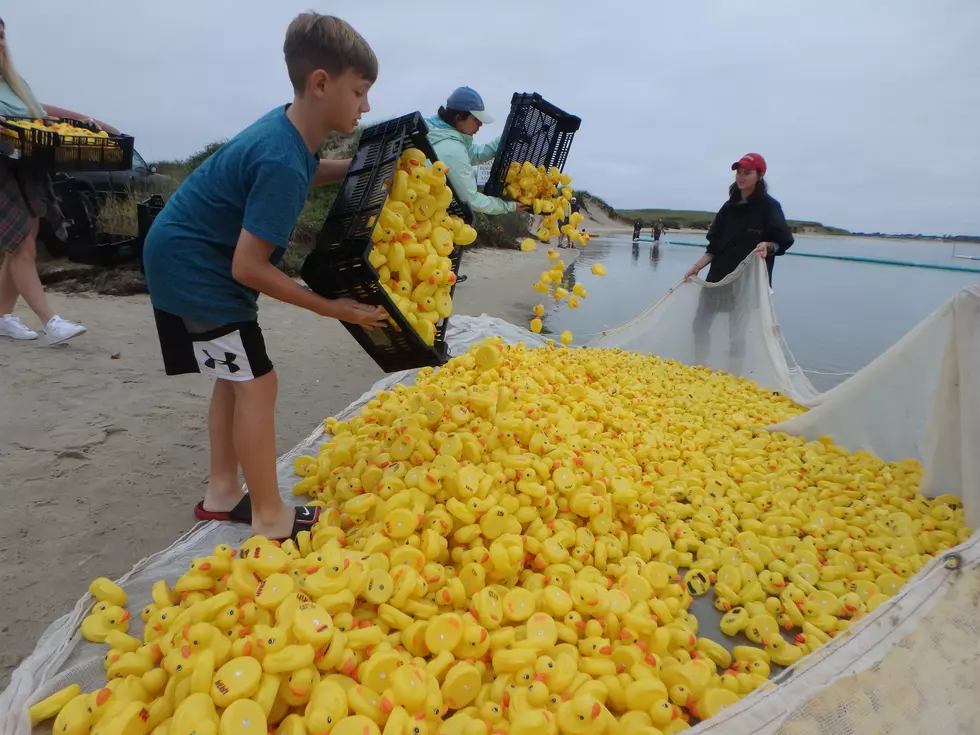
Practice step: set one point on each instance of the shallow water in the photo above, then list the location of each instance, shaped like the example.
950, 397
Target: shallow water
836, 316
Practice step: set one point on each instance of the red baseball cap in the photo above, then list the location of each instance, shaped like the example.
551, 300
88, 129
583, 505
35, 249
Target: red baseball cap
751, 162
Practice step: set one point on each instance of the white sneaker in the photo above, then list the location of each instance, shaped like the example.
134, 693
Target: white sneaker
11, 326
58, 330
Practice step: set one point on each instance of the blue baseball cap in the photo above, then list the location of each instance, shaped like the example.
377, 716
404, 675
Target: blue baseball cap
469, 100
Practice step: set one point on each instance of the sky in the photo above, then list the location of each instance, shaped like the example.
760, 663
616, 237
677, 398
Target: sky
867, 111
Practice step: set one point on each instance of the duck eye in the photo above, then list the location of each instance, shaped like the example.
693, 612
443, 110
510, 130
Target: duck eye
329, 719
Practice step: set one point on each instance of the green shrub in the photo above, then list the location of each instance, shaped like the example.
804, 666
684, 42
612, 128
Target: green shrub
503, 231
587, 199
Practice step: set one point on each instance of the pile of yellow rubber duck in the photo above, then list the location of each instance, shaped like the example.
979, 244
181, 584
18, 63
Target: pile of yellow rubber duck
511, 546
413, 239
74, 135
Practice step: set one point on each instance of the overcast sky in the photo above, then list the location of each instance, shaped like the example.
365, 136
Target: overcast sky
867, 111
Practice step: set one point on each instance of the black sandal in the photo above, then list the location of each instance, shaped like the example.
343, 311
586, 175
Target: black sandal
241, 513
306, 517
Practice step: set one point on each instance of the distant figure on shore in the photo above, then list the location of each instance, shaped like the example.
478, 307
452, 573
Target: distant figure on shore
750, 221
637, 228
658, 229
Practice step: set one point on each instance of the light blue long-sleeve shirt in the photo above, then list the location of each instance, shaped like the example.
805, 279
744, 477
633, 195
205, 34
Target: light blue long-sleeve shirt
13, 106
461, 154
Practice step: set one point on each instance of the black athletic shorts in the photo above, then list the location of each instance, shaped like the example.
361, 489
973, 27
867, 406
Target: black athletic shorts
233, 351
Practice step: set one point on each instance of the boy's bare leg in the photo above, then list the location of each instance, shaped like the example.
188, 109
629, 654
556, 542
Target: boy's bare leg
255, 445
224, 491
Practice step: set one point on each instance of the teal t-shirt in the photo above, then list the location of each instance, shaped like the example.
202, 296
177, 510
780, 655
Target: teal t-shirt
258, 181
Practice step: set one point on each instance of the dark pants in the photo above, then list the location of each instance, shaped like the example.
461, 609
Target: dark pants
712, 302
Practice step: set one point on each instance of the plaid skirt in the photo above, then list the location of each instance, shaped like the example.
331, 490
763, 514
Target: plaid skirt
23, 196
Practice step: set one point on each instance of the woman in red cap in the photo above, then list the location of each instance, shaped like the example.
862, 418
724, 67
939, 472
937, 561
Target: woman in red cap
750, 221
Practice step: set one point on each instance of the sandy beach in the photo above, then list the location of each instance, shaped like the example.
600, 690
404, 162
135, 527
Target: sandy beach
104, 456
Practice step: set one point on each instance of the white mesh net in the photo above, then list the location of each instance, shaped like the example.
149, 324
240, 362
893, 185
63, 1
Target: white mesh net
920, 399
910, 667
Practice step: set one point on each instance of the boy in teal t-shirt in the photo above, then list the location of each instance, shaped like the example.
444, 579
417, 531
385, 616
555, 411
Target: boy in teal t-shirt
214, 249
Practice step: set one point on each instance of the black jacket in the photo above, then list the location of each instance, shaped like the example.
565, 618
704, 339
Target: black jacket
739, 227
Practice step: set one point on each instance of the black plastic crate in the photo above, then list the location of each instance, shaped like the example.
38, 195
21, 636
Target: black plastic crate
146, 212
48, 150
535, 131
105, 250
338, 267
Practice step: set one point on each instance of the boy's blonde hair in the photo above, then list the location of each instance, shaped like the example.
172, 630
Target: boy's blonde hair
315, 41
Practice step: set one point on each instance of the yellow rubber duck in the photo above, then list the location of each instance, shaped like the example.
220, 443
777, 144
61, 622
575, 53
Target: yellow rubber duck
105, 590
104, 618
783, 653
581, 716
327, 707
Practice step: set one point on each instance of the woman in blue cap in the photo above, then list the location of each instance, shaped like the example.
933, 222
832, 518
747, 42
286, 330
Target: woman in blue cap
451, 134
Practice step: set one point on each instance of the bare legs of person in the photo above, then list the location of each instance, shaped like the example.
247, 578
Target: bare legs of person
242, 428
19, 277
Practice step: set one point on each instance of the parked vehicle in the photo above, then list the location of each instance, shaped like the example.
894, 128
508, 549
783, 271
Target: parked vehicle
83, 193
141, 178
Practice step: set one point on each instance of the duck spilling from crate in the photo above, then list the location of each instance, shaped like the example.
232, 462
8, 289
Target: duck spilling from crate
394, 238
413, 239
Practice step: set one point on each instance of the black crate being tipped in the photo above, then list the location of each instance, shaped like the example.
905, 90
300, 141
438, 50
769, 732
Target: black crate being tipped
338, 267
535, 131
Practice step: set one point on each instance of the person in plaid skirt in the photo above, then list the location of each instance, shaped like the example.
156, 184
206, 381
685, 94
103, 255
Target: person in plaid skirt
25, 197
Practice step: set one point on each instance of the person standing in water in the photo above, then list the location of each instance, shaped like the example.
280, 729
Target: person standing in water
637, 228
658, 229
750, 222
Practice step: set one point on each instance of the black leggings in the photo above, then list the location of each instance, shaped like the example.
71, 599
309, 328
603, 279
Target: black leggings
712, 302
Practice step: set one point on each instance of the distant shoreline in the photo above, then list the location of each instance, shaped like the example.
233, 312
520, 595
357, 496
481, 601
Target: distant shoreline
811, 232
699, 221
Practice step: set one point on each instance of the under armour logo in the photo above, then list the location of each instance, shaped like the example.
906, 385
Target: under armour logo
228, 362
